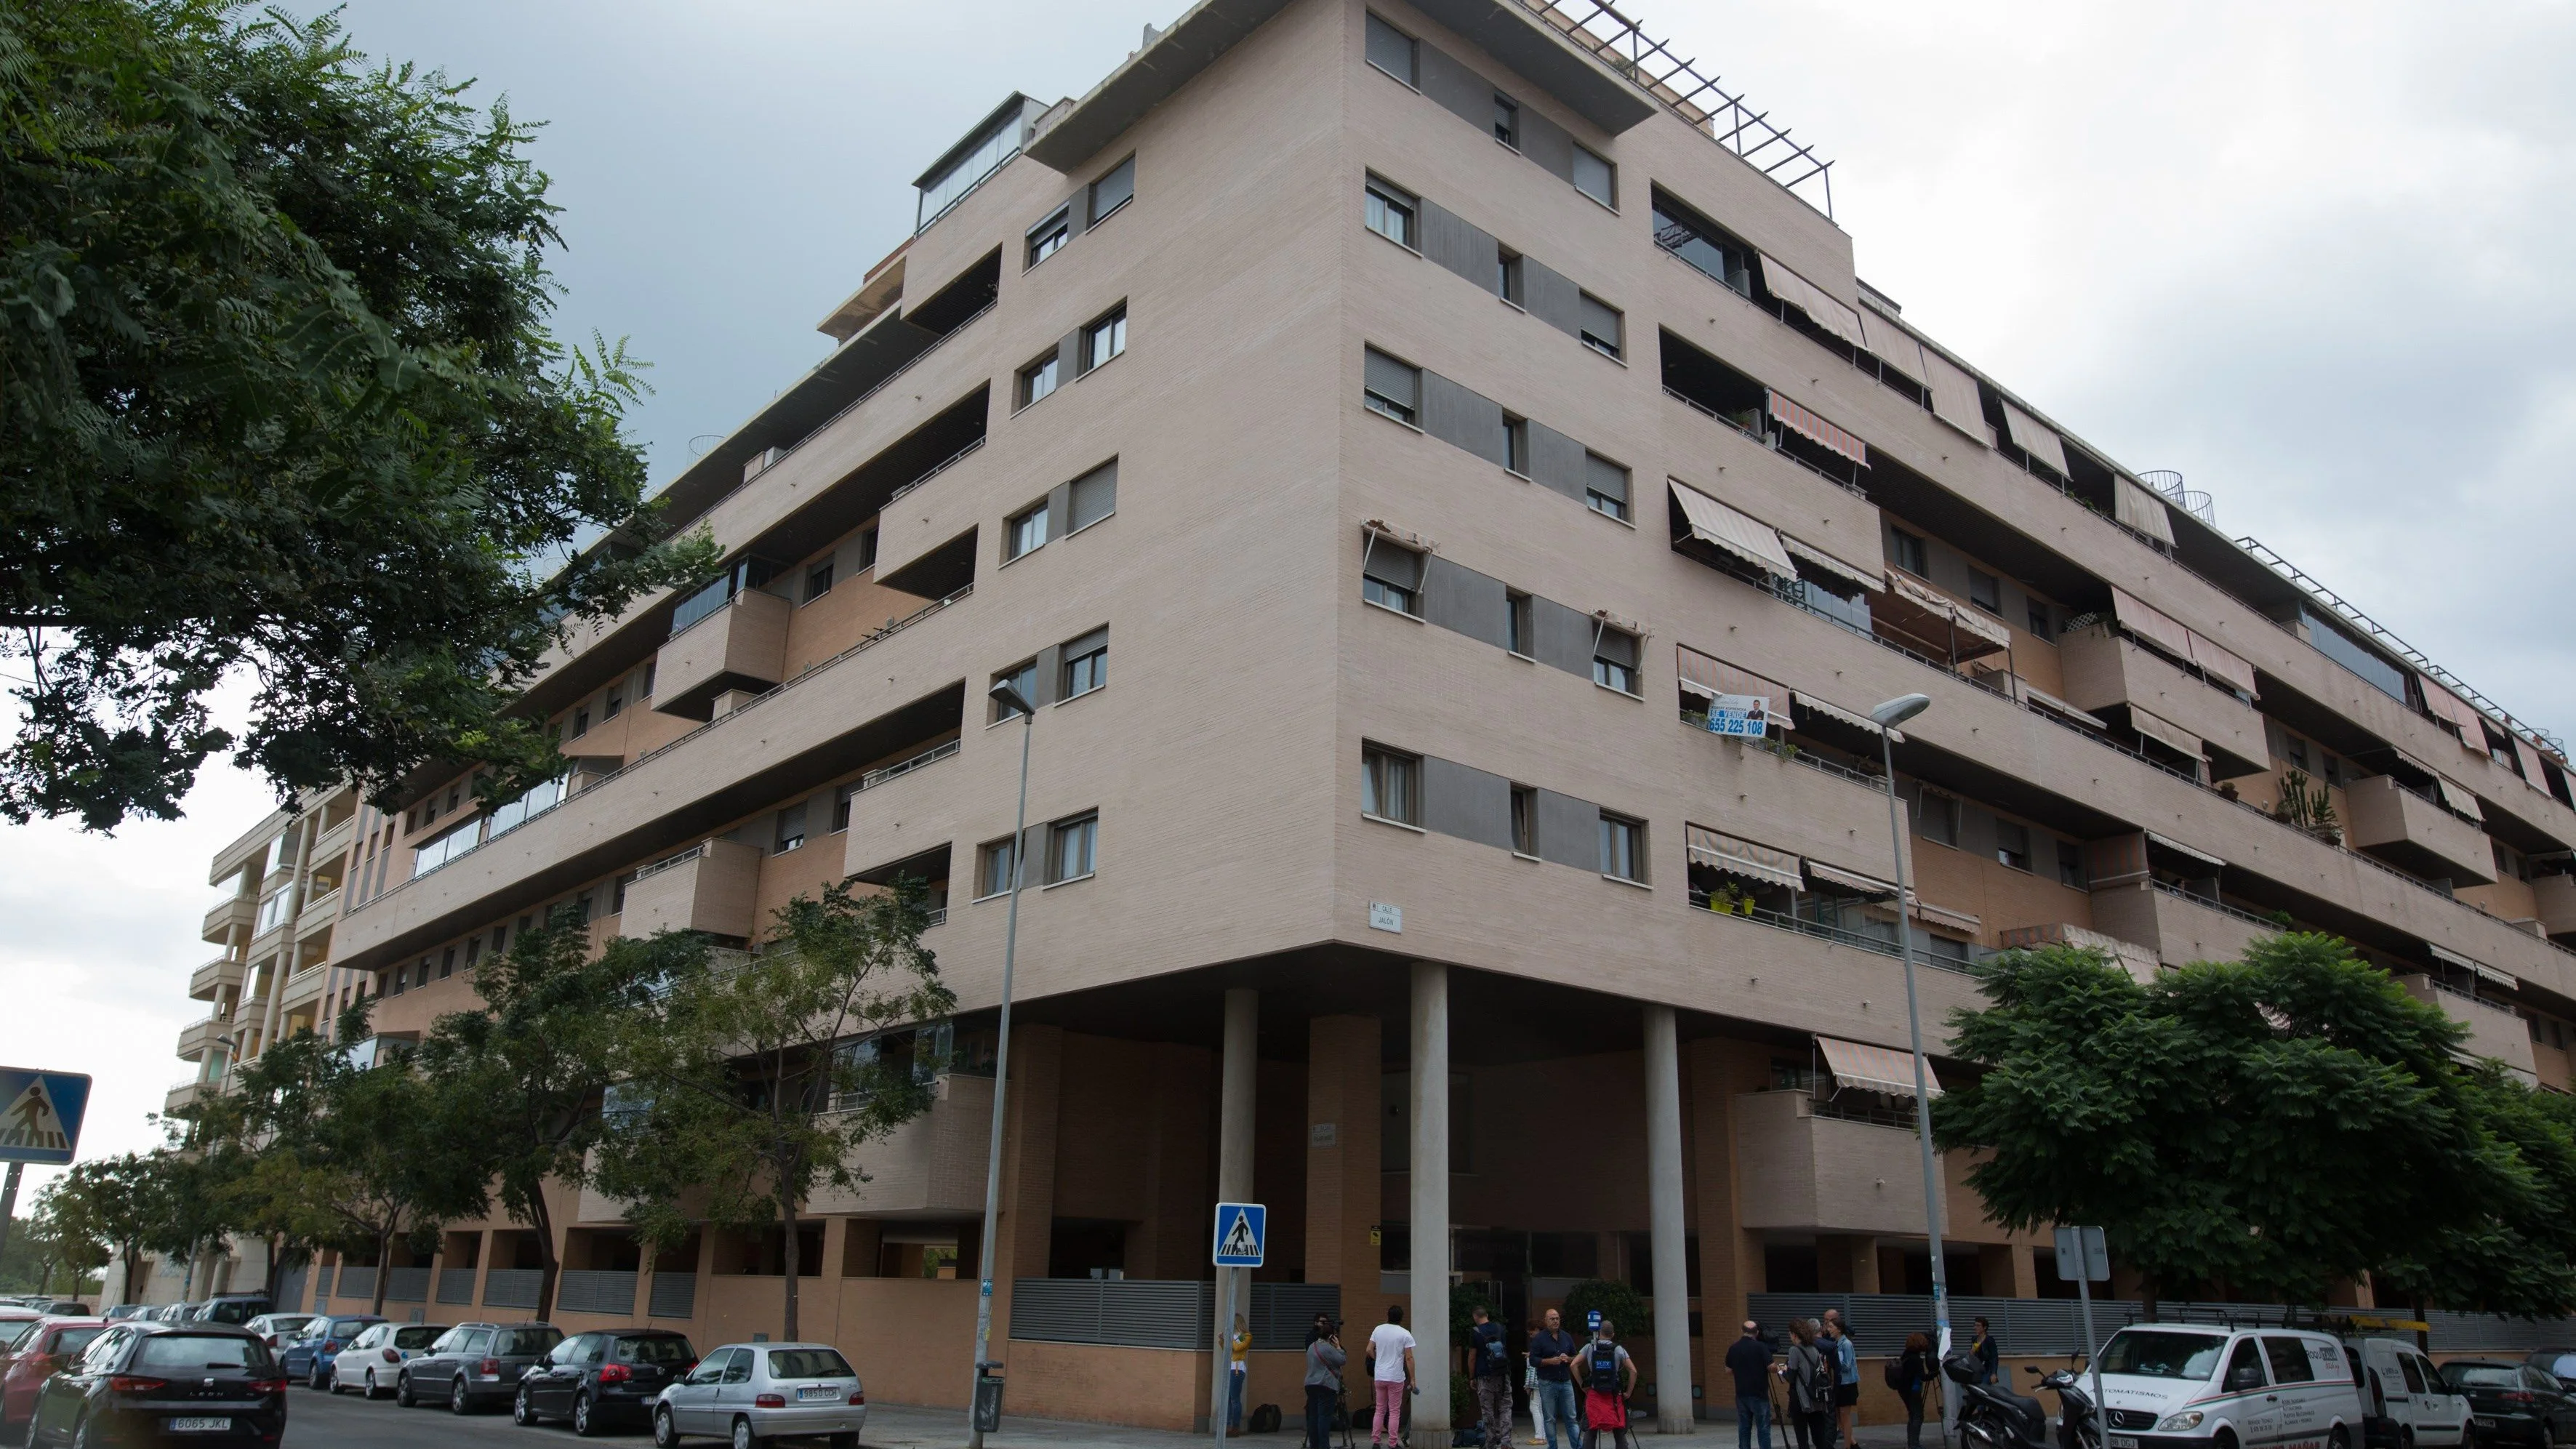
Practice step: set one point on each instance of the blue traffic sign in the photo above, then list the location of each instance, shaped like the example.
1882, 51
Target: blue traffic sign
1241, 1229
40, 1114
1592, 1320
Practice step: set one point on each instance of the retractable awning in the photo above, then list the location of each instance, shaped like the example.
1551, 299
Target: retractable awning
1798, 418
1850, 880
2051, 703
2165, 732
1893, 345
1935, 618
1867, 1068
2457, 796
1932, 915
1954, 398
1819, 305
1833, 711
1720, 851
2225, 665
2142, 510
1714, 523
2483, 971
2036, 438
2177, 847
1874, 580
2150, 623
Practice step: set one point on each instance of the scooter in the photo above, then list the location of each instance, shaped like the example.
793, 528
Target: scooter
1992, 1416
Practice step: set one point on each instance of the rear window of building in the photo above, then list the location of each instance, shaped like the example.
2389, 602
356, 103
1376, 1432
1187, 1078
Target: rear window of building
189, 1352
808, 1363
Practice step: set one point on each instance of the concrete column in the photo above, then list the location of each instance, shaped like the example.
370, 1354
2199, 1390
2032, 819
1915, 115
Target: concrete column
1429, 1275
1664, 1221
1237, 1073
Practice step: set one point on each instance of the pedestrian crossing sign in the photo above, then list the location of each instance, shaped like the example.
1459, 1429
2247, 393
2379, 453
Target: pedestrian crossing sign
40, 1115
1240, 1229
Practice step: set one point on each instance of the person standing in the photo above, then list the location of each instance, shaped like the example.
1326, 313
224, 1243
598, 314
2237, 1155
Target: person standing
1990, 1359
1913, 1373
1492, 1360
1846, 1356
1609, 1377
1324, 1360
1390, 1358
1238, 1344
1811, 1388
1551, 1358
1749, 1360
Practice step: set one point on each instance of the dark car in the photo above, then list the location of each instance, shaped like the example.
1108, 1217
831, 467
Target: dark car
474, 1365
236, 1309
602, 1379
2559, 1363
2517, 1403
309, 1356
153, 1383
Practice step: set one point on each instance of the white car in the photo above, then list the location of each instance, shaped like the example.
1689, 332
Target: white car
2408, 1393
2201, 1386
750, 1393
372, 1363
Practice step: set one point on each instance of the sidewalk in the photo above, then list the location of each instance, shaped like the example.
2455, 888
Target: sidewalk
904, 1426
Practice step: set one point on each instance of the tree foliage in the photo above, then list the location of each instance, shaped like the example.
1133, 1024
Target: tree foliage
747, 1089
116, 1204
277, 394
2269, 1127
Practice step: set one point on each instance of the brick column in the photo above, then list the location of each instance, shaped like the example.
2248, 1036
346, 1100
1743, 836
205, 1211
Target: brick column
1028, 1170
1344, 1078
1730, 1259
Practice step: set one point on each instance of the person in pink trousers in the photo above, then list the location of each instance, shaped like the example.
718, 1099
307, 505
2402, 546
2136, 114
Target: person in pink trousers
1390, 1357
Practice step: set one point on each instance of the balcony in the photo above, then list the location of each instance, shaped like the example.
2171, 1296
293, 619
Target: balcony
214, 976
1799, 1169
232, 911
317, 915
709, 887
2180, 929
2412, 833
333, 843
303, 986
933, 1163
2106, 671
183, 1095
2494, 1031
740, 645
2555, 896
204, 1034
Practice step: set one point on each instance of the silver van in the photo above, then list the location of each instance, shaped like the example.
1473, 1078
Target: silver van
750, 1393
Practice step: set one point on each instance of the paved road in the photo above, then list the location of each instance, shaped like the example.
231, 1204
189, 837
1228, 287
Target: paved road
321, 1421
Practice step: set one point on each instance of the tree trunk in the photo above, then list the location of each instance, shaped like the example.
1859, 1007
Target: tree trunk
787, 1219
384, 1250
2423, 1336
125, 1275
549, 1262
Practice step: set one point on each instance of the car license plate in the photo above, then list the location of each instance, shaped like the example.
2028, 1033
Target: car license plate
199, 1426
2124, 1441
816, 1393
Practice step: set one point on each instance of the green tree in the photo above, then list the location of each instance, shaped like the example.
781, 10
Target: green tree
278, 398
539, 1057
2519, 1254
112, 1202
263, 1163
747, 1076
2270, 1126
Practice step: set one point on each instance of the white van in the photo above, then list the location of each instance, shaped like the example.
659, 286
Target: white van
2410, 1405
2201, 1386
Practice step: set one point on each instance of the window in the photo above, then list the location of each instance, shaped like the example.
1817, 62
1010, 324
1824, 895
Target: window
1086, 665
1095, 497
1702, 243
1516, 444
1391, 577
979, 159
1049, 236
1387, 788
841, 806
1037, 380
791, 829
1524, 820
1604, 327
2290, 1364
1114, 189
446, 963
993, 867
1614, 660
2070, 864
818, 582
1507, 121
1938, 821
615, 701
580, 722
1605, 486
1391, 387
1595, 177
1073, 848
1623, 847
1517, 634
1389, 212
1906, 551
1104, 339
1507, 277
2039, 620
1024, 678
867, 560
1024, 533
474, 946
1391, 50
1986, 592
2012, 844
644, 690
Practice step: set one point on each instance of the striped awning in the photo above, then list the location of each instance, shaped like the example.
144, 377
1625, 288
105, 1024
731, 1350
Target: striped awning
1874, 1068
1831, 710
1747, 538
1850, 880
1720, 851
1802, 420
2165, 732
1932, 915
1874, 580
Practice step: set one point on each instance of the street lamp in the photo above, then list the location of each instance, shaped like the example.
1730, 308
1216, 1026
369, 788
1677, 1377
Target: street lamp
1888, 716
1009, 699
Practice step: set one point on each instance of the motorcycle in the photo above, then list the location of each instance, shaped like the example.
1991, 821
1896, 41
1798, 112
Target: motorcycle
1992, 1416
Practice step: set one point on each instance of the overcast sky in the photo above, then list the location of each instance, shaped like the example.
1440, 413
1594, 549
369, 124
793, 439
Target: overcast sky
2315, 257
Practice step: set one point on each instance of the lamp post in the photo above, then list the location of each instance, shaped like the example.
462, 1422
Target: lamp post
1011, 699
1888, 716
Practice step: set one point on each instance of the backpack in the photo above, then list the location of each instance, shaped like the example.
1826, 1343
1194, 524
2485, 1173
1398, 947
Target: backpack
1897, 1377
1602, 1366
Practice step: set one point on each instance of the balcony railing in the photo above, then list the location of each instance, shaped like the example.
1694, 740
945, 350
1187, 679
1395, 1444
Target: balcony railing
1799, 925
2211, 903
900, 768
942, 466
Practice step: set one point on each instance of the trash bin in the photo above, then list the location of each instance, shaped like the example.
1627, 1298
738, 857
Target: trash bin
988, 1397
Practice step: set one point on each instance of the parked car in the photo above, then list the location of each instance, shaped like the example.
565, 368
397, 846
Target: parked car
309, 1358
373, 1360
122, 1312
209, 1383
604, 1378
474, 1365
2560, 1362
279, 1329
232, 1308
2515, 1403
750, 1393
40, 1352
2184, 1385
15, 1323
2410, 1406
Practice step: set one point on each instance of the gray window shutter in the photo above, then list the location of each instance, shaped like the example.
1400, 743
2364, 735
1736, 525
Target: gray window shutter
1401, 381
1466, 802
1617, 645
1459, 598
1564, 637
1552, 297
1603, 320
1557, 461
1077, 221
1462, 418
1604, 477
1390, 564
1460, 245
1059, 508
1546, 142
1033, 860
1050, 664
1095, 496
1076, 648
1114, 189
1454, 86
1569, 830
1068, 358
1391, 50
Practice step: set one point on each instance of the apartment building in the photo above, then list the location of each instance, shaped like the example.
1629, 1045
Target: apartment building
1436, 410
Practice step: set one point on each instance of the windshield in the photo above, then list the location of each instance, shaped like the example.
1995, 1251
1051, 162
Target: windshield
665, 1351
14, 1329
71, 1341
2484, 1375
808, 1363
527, 1341
417, 1335
190, 1352
2148, 1353
346, 1330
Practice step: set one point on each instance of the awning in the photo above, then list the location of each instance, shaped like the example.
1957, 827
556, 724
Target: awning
1714, 523
1707, 674
1852, 880
2457, 796
2165, 732
2483, 971
1821, 308
2035, 438
2178, 848
2051, 703
1892, 344
1874, 1068
1831, 710
2142, 510
2446, 705
1802, 420
2150, 623
1967, 620
1954, 398
1932, 915
1874, 580
2224, 665
1720, 851
1934, 618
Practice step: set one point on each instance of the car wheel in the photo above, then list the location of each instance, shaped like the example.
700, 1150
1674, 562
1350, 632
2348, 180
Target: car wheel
2339, 1437
81, 1436
845, 1441
581, 1420
315, 1379
457, 1403
402, 1390
743, 1438
666, 1434
522, 1413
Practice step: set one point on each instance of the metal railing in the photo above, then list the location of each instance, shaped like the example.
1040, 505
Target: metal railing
2207, 903
586, 1290
1763, 437
933, 755
942, 466
668, 861
1799, 925
512, 1287
674, 1295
